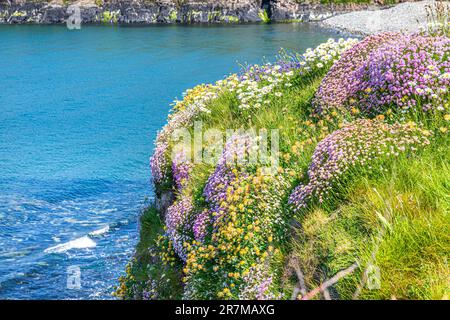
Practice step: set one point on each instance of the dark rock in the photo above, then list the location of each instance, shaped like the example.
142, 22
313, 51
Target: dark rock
164, 200
190, 11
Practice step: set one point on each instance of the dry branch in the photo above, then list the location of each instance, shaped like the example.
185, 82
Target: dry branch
333, 280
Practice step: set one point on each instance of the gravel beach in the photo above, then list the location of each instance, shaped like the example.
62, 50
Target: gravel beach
408, 16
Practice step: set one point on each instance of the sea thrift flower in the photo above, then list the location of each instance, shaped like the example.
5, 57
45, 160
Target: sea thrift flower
236, 154
357, 144
181, 168
406, 73
257, 284
200, 225
176, 217
150, 291
183, 113
338, 85
244, 209
177, 213
158, 162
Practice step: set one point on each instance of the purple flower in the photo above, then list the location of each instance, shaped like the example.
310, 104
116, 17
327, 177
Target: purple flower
338, 85
158, 163
357, 144
200, 225
406, 73
235, 155
175, 221
181, 168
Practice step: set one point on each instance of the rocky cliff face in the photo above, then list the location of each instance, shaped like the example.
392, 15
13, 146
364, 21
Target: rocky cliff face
162, 11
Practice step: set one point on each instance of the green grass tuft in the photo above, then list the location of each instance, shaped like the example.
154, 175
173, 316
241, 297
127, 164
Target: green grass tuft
397, 222
146, 276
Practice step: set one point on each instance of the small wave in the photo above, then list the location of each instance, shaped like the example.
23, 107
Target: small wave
99, 231
80, 243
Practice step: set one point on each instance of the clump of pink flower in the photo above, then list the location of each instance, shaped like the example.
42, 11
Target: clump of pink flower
358, 144
181, 168
200, 225
236, 153
182, 115
258, 284
412, 71
158, 162
338, 85
175, 221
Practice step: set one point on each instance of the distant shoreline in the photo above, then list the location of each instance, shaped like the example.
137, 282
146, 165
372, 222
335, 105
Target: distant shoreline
141, 12
407, 17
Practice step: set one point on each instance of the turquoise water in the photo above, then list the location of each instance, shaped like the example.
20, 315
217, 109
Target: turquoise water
79, 111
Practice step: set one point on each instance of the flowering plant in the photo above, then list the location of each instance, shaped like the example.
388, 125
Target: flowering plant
257, 82
413, 71
242, 216
358, 144
339, 85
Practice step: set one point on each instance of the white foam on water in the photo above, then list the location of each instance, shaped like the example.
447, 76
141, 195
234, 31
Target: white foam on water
104, 211
99, 231
80, 243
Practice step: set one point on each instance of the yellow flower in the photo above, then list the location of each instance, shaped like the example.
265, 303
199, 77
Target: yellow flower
411, 124
354, 110
380, 117
443, 129
447, 117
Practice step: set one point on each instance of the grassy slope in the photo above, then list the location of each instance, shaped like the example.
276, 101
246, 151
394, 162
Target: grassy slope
147, 265
396, 220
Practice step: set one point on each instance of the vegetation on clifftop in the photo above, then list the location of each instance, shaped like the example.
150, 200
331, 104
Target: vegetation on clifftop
357, 186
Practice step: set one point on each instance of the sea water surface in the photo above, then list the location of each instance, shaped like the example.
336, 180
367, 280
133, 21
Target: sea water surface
79, 112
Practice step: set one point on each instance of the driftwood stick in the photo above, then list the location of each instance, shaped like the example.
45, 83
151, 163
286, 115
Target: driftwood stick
295, 293
330, 282
326, 294
301, 280
301, 288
